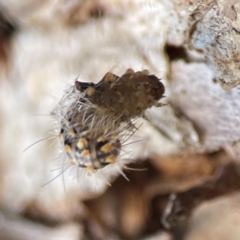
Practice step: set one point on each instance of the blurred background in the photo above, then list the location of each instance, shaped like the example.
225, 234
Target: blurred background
184, 174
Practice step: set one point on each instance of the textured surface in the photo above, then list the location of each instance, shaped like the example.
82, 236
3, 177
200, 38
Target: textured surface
213, 111
46, 45
216, 31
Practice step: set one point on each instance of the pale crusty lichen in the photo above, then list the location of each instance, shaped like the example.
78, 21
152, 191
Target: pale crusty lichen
55, 43
212, 110
215, 30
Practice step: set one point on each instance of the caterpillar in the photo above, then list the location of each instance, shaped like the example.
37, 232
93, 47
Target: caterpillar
97, 119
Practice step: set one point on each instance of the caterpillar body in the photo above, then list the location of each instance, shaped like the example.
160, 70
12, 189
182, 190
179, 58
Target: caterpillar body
97, 119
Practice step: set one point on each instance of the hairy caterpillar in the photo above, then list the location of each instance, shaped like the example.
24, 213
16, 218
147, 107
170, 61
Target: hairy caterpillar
97, 119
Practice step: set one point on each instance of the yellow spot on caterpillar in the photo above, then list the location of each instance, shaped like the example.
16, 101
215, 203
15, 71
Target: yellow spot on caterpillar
101, 139
90, 169
112, 85
85, 153
108, 77
68, 149
111, 159
107, 148
90, 91
82, 143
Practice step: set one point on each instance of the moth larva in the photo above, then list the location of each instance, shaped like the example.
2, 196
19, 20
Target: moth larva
96, 119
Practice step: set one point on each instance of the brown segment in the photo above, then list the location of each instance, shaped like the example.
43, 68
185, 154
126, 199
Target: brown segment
129, 71
112, 85
145, 72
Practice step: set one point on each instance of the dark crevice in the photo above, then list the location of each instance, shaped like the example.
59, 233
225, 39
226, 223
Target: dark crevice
7, 30
176, 53
7, 27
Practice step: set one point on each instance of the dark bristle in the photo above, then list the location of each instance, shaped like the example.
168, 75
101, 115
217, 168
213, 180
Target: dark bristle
67, 142
82, 86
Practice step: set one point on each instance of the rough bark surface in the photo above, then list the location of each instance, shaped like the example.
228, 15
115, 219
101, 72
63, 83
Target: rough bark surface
184, 170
